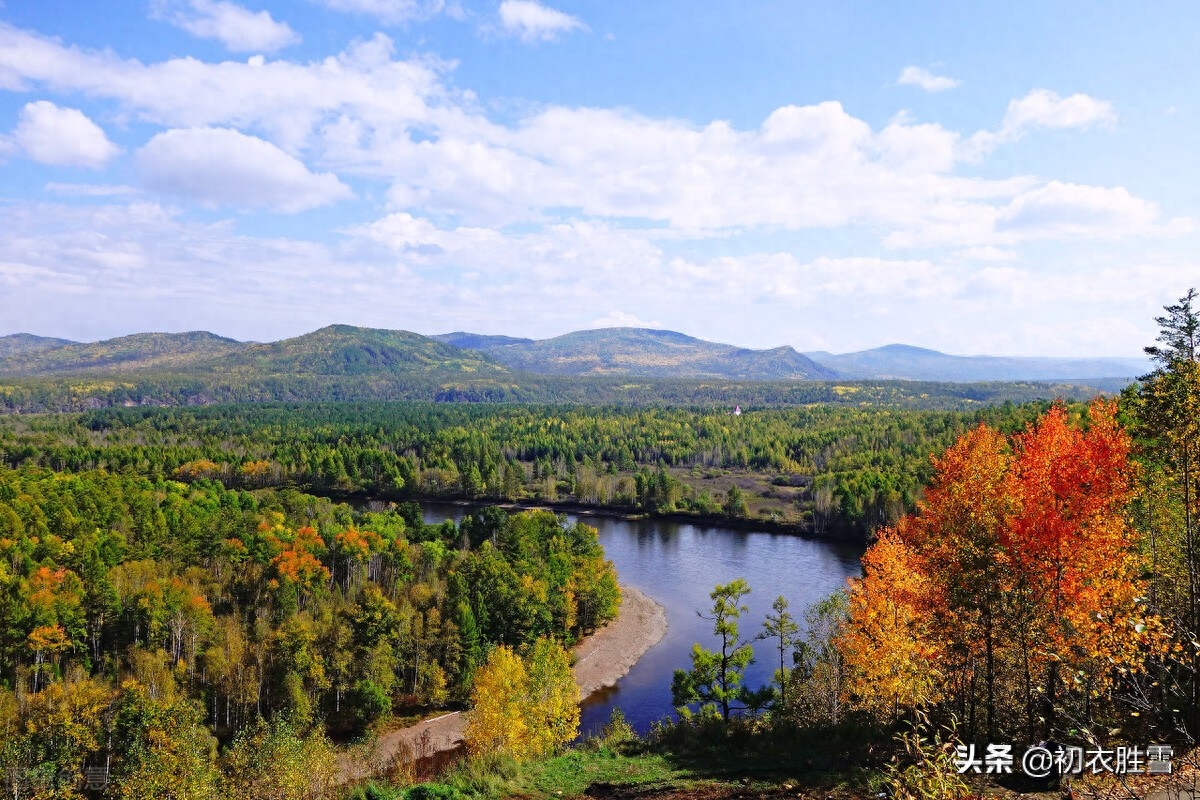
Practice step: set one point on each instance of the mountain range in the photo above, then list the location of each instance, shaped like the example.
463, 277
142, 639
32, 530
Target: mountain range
633, 352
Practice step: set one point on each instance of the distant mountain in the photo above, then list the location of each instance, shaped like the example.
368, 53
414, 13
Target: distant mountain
346, 363
19, 343
478, 341
904, 362
141, 351
643, 352
334, 350
347, 350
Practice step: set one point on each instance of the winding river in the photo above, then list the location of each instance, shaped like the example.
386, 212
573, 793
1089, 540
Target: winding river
678, 564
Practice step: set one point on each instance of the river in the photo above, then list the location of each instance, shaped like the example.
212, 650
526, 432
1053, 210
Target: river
678, 564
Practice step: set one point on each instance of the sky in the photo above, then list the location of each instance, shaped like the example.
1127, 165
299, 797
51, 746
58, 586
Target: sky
1010, 178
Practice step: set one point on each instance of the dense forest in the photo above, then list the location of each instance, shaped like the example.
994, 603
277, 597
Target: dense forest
144, 620
24, 395
825, 469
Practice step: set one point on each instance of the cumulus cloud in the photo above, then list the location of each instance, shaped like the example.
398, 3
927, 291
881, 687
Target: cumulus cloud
219, 166
281, 98
916, 76
1041, 108
235, 26
61, 136
435, 153
532, 21
1050, 211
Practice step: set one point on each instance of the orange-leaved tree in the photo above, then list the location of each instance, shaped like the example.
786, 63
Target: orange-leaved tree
1019, 569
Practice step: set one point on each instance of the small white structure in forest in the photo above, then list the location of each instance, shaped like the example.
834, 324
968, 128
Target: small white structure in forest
737, 411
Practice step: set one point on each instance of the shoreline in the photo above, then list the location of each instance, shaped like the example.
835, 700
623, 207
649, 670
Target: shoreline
842, 535
601, 660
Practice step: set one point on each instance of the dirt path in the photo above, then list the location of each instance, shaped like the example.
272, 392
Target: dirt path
601, 660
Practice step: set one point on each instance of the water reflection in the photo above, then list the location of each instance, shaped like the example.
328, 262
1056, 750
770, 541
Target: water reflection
678, 564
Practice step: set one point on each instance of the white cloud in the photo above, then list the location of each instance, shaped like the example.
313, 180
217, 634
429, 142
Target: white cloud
621, 319
235, 26
1042, 108
916, 76
61, 136
220, 166
532, 21
282, 99
87, 271
434, 152
394, 12
1059, 209
1051, 211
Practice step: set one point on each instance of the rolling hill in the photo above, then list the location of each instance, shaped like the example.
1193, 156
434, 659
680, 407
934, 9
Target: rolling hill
140, 351
341, 362
21, 343
643, 352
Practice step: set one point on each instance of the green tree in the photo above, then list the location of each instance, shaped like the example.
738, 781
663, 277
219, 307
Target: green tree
715, 680
735, 503
163, 750
781, 626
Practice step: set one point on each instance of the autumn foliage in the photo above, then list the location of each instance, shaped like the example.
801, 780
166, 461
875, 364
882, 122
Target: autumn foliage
523, 708
1014, 596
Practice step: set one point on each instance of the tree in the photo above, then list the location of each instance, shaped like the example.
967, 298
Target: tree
523, 708
162, 749
735, 503
819, 676
715, 679
496, 724
1020, 569
1167, 415
272, 761
552, 711
782, 628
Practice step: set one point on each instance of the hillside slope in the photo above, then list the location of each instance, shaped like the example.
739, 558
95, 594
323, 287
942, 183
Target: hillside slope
644, 352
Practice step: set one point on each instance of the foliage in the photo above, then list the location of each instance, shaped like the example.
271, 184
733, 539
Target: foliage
523, 708
714, 683
1015, 595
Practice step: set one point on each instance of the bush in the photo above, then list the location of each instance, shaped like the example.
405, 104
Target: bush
433, 791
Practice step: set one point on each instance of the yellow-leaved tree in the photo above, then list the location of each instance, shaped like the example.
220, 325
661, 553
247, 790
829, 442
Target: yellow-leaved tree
523, 708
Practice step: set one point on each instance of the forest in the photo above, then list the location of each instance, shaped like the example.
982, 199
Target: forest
143, 622
819, 469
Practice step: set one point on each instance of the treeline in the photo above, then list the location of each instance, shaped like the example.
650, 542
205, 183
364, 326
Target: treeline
847, 469
115, 388
144, 620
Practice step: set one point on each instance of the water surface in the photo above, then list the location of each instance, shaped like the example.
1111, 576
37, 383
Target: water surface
678, 564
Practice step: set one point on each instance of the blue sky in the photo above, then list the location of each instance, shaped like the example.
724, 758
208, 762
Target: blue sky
1007, 178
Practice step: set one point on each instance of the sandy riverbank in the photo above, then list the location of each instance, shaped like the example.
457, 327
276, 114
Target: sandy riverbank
601, 660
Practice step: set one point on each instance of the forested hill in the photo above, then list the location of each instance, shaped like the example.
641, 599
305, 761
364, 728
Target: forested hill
643, 352
19, 343
342, 362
